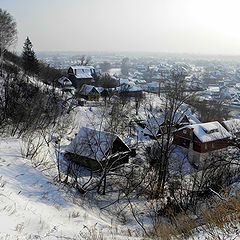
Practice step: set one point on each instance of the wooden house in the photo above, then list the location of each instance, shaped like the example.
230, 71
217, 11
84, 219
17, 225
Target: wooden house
94, 149
89, 93
156, 126
201, 139
80, 75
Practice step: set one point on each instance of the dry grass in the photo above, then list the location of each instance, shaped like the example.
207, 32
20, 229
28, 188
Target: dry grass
219, 220
91, 234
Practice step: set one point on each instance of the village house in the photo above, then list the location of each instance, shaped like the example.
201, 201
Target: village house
80, 75
156, 126
89, 93
93, 149
202, 139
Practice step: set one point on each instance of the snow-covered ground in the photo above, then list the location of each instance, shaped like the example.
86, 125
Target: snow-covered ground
32, 206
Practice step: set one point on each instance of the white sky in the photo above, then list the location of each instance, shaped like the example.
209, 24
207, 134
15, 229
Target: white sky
190, 26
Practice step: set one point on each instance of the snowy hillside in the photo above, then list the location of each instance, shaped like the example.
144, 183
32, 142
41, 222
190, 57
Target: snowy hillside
34, 207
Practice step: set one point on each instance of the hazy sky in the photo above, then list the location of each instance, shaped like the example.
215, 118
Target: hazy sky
185, 26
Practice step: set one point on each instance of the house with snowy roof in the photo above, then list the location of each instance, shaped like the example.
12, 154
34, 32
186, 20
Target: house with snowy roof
129, 88
80, 75
202, 139
89, 93
156, 126
93, 149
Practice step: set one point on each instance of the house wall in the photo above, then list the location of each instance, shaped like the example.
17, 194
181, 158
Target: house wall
211, 146
83, 161
94, 164
78, 82
200, 160
183, 138
183, 122
70, 70
93, 97
119, 146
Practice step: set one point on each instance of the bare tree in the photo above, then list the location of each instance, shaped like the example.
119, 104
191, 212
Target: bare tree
8, 32
171, 114
125, 66
83, 60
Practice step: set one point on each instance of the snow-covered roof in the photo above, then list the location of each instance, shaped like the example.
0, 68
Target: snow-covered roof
153, 123
153, 84
186, 111
140, 81
232, 125
83, 71
124, 81
130, 87
213, 89
192, 119
86, 89
91, 143
100, 89
82, 67
83, 75
207, 132
64, 81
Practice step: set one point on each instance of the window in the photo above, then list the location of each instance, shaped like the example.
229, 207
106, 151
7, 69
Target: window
205, 146
184, 131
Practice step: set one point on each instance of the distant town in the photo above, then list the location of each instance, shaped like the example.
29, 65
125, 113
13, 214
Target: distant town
213, 77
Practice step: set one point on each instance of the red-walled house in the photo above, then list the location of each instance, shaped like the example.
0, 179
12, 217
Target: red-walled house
155, 126
201, 139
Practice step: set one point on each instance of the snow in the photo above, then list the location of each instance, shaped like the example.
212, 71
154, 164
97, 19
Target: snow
83, 75
35, 207
153, 124
232, 125
83, 71
65, 81
91, 143
86, 89
153, 84
207, 132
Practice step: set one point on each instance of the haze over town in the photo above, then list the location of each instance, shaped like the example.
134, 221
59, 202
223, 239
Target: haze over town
186, 26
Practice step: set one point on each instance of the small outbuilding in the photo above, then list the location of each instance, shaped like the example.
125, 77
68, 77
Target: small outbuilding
94, 149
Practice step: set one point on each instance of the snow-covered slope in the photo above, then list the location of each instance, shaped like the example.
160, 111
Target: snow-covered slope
32, 206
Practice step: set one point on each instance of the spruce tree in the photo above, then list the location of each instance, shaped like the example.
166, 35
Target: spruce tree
30, 62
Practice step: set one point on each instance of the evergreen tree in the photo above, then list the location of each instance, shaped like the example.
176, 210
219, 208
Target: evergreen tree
30, 62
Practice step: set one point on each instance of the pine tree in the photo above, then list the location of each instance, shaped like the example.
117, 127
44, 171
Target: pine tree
30, 62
